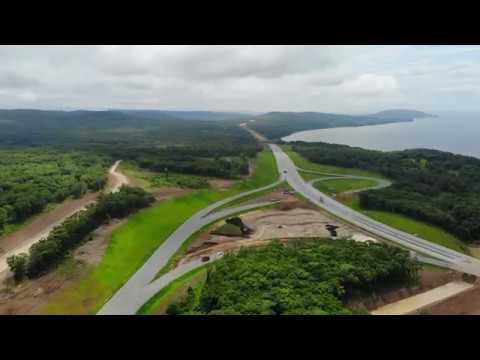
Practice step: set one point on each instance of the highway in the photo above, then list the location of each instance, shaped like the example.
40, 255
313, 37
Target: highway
456, 261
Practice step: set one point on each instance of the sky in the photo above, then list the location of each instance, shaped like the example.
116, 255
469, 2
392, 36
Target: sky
338, 79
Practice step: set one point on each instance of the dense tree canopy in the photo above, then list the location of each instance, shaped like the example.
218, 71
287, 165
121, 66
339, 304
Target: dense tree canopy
430, 185
31, 178
209, 159
303, 277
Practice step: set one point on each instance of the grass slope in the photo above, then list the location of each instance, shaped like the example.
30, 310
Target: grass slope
342, 185
133, 243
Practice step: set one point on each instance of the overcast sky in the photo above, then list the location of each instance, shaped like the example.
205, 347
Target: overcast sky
342, 79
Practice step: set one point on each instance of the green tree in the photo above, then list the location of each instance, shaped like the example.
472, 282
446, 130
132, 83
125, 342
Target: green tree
18, 265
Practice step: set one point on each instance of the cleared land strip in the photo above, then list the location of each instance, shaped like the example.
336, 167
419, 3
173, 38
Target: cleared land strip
21, 240
416, 303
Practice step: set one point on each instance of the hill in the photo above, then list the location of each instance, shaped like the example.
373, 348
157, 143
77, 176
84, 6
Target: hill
40, 127
188, 115
401, 114
276, 125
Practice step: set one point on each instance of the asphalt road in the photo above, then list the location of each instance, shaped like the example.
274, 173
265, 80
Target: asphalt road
455, 260
131, 296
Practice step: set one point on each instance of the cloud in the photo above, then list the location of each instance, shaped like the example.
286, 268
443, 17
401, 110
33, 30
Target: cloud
259, 78
12, 80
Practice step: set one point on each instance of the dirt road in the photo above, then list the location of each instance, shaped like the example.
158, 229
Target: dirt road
416, 303
116, 179
21, 240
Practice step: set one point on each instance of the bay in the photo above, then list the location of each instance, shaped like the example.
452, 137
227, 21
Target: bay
458, 133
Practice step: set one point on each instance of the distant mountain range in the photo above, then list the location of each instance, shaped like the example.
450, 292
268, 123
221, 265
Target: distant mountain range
188, 115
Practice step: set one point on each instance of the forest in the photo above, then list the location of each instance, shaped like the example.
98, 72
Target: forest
208, 159
308, 276
32, 178
48, 252
37, 127
437, 187
48, 156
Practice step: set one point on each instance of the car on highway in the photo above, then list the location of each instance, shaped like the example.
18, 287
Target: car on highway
219, 254
205, 258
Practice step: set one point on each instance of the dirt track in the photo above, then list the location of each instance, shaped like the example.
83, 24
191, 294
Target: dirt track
415, 303
21, 240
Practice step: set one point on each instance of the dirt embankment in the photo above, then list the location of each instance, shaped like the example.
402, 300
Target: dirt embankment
465, 303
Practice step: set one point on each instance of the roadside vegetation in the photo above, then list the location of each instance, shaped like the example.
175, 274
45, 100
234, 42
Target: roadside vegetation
436, 187
34, 179
134, 242
311, 277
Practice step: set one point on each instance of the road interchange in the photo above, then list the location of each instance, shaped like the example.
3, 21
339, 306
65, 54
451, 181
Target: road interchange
142, 286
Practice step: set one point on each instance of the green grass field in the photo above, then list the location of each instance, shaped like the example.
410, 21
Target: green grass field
133, 243
421, 229
342, 185
172, 292
305, 164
